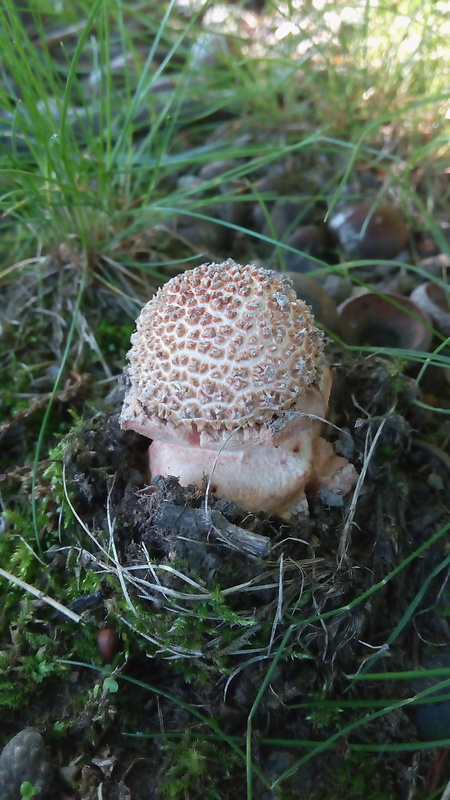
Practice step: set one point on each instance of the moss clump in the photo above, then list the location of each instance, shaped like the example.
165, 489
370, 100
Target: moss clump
196, 767
353, 778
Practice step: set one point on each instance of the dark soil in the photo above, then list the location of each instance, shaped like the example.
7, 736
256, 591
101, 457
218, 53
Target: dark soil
328, 601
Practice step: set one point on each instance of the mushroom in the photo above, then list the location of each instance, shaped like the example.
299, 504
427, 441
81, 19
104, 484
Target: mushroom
365, 231
385, 320
434, 300
314, 294
228, 379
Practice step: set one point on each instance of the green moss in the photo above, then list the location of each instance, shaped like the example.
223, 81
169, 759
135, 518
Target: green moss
36, 639
196, 767
113, 338
201, 635
359, 775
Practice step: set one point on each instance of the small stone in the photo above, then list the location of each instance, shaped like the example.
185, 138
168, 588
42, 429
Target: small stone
433, 718
435, 481
25, 758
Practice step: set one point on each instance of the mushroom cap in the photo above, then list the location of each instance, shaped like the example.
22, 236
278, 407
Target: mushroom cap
222, 347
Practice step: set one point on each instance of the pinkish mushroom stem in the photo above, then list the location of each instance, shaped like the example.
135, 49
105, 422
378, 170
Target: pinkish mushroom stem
228, 378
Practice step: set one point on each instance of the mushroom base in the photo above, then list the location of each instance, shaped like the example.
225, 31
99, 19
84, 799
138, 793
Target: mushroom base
276, 480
